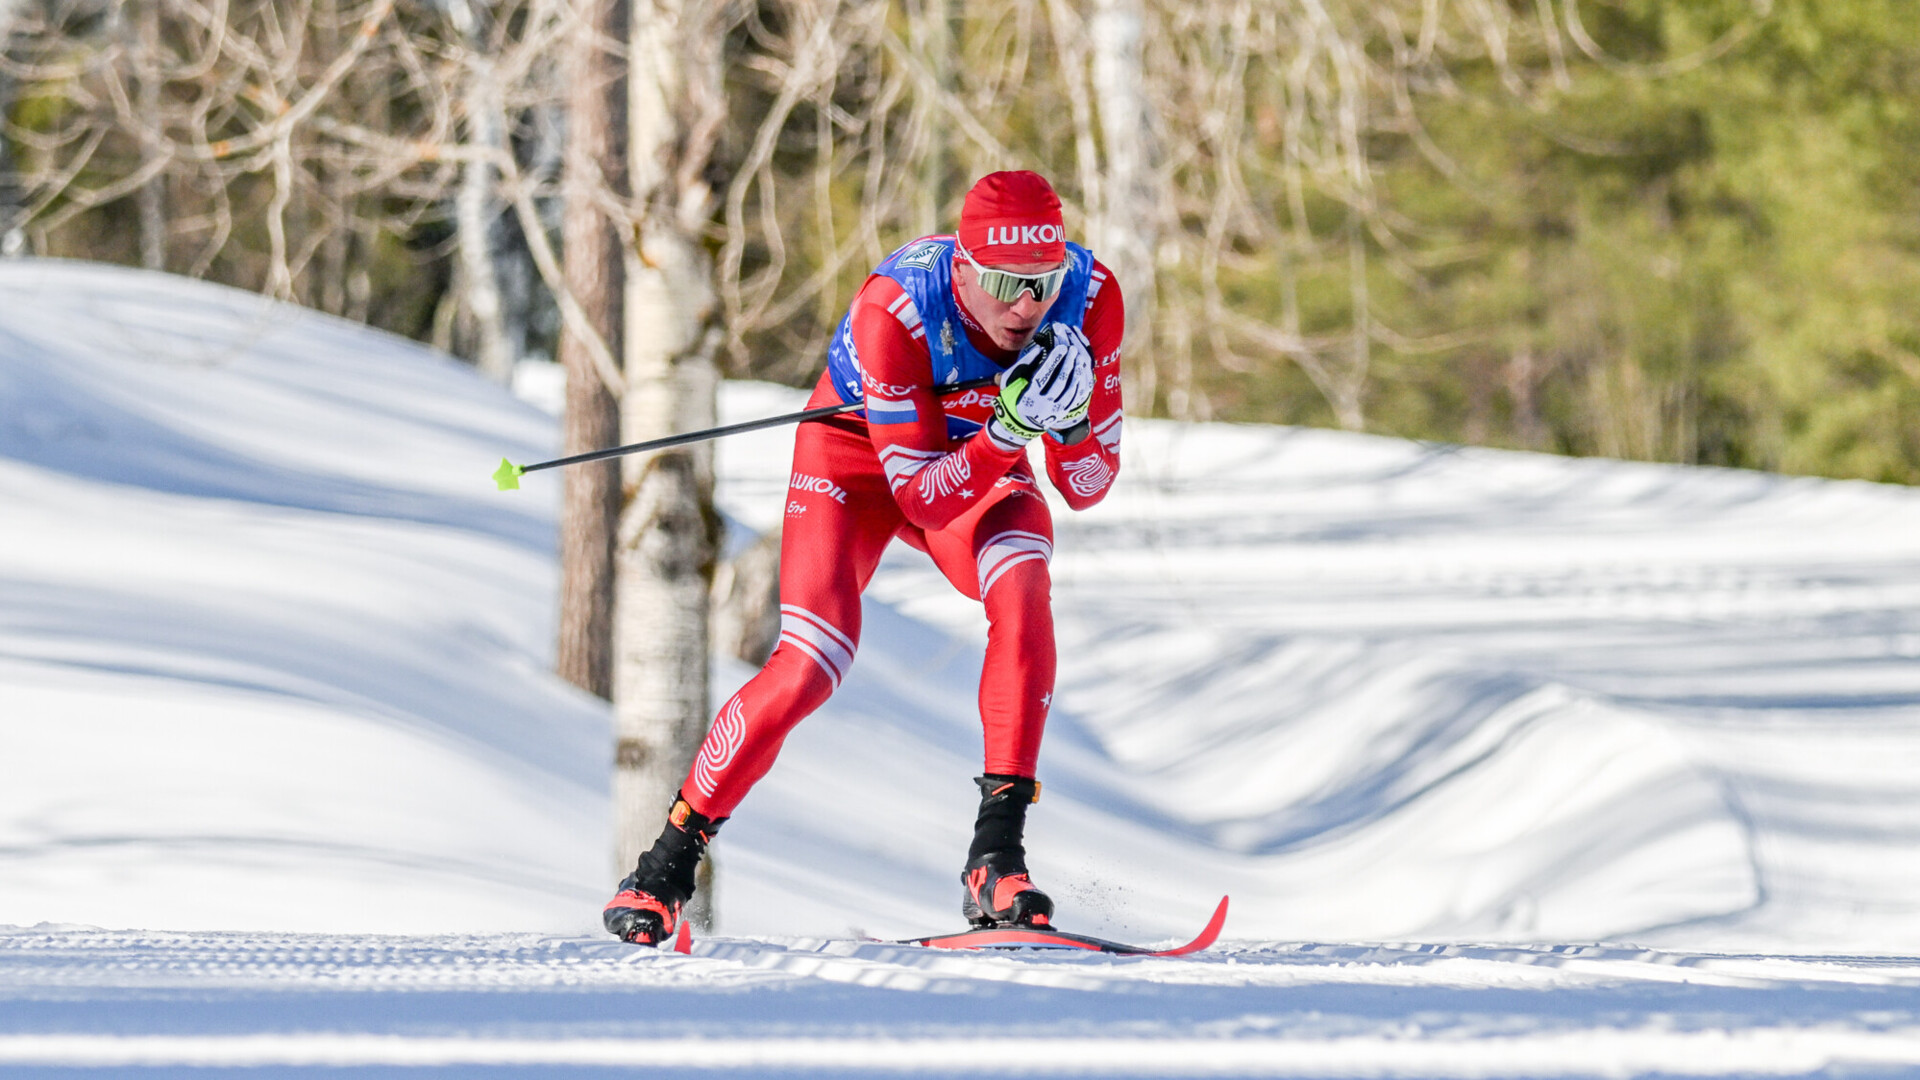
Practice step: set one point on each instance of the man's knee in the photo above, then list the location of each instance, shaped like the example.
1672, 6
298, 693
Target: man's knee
816, 640
1017, 557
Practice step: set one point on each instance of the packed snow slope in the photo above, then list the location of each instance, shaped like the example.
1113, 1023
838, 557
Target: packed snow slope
273, 657
273, 653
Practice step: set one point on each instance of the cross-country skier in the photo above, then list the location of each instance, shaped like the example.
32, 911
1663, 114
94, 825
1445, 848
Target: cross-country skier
1009, 297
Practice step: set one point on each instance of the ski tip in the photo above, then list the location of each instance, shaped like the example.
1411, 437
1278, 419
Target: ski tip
1207, 936
508, 475
683, 941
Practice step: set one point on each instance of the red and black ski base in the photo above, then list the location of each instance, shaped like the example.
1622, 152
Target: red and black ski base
1045, 937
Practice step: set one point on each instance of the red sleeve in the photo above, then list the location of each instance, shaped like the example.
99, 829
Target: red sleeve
1083, 474
932, 483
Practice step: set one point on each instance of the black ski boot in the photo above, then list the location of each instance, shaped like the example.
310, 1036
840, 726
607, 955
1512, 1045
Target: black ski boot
646, 911
998, 889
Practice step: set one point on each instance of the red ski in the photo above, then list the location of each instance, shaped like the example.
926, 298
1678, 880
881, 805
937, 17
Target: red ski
1045, 937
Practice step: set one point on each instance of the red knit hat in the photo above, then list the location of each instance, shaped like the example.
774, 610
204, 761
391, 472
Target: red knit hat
1013, 217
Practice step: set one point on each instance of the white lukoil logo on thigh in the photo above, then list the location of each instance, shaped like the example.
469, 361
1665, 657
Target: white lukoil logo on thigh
818, 485
1022, 234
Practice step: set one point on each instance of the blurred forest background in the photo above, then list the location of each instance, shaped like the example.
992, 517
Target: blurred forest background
1677, 231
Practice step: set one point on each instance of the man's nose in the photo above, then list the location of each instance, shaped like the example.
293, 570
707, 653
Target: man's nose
1028, 306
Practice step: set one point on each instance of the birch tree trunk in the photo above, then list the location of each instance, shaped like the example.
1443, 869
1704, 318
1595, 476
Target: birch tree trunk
746, 601
13, 239
328, 271
668, 536
151, 199
476, 205
1126, 231
936, 38
594, 164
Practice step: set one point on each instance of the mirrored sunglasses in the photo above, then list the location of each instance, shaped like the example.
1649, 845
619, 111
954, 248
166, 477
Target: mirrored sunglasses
1006, 286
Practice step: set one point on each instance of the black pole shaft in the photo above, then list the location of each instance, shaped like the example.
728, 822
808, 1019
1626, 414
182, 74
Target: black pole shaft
735, 429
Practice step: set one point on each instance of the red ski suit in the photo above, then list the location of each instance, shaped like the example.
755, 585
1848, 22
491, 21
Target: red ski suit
973, 506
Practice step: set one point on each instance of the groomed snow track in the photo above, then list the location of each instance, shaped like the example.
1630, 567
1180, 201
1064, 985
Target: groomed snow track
489, 1005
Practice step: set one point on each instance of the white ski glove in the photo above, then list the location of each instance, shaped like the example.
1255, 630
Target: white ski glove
1047, 389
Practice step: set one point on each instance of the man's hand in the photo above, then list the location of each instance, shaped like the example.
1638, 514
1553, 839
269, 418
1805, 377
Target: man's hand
1047, 389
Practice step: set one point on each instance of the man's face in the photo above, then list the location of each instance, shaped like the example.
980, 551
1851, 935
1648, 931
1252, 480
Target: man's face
1010, 326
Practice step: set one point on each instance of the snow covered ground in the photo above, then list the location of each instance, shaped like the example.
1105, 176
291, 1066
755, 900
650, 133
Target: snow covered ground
499, 1003
1513, 764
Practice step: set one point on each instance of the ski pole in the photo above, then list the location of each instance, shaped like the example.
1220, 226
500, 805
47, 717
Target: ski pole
508, 474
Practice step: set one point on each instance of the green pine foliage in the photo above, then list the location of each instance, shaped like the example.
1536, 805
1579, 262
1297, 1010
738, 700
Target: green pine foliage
1716, 265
